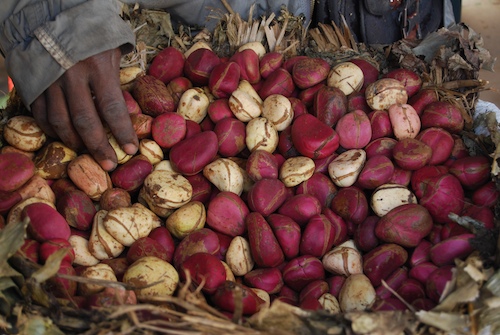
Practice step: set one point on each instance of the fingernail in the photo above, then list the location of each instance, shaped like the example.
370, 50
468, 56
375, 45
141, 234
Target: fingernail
130, 148
108, 165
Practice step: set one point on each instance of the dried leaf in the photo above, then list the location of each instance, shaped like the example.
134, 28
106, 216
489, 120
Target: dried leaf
51, 266
11, 239
39, 325
281, 318
449, 322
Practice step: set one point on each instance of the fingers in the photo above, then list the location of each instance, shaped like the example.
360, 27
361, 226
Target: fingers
39, 111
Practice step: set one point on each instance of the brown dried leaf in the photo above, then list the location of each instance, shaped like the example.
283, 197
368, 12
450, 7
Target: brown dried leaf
11, 239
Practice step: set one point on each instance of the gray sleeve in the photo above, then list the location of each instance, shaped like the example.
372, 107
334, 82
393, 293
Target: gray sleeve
40, 40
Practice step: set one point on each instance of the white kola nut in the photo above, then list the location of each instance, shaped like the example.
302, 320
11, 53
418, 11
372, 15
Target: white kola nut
347, 77
329, 303
229, 272
101, 244
384, 93
151, 150
82, 254
343, 260
164, 165
295, 170
225, 174
245, 86
266, 298
14, 215
129, 74
23, 133
258, 47
389, 196
196, 46
98, 271
278, 109
346, 167
244, 106
357, 294
121, 156
193, 104
261, 134
186, 219
128, 224
238, 256
151, 277
167, 189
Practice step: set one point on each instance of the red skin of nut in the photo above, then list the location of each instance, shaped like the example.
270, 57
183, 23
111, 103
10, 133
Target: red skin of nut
411, 290
377, 171
318, 236
202, 240
131, 175
313, 138
264, 246
132, 105
249, 64
204, 269
226, 214
351, 204
270, 62
142, 124
199, 64
146, 246
394, 280
381, 124
191, 155
16, 169
380, 146
307, 95
300, 208
443, 195
354, 130
422, 271
226, 295
262, 164
440, 141
383, 260
335, 283
329, 105
411, 154
473, 171
320, 186
364, 235
314, 289
420, 178
442, 114
486, 195
168, 129
167, 64
436, 282
266, 196
224, 79
357, 100
45, 222
267, 279
287, 233
177, 86
310, 71
409, 78
218, 110
48, 247
370, 72
278, 82
152, 96
420, 100
202, 188
302, 270
231, 135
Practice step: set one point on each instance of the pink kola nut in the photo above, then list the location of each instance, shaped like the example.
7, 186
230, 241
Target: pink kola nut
152, 96
422, 271
473, 171
267, 279
168, 129
165, 239
278, 82
298, 107
443, 114
16, 169
486, 195
420, 100
440, 141
264, 246
411, 290
204, 269
405, 225
411, 154
30, 250
313, 138
309, 71
191, 155
8, 200
357, 100
202, 240
420, 177
226, 214
354, 130
335, 284
287, 233
45, 222
167, 64
290, 62
270, 62
380, 146
329, 105
421, 253
377, 171
300, 208
383, 260
302, 270
132, 105
409, 78
131, 175
266, 196
351, 204
320, 186
48, 247
219, 109
248, 61
318, 236
285, 144
192, 128
445, 252
381, 124
442, 196
224, 79
400, 176
261, 164
231, 134
199, 64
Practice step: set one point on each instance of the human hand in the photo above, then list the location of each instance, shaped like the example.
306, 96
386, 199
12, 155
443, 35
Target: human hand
72, 109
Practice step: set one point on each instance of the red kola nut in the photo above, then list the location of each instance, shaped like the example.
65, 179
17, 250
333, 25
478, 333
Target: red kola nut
270, 62
266, 196
420, 178
267, 279
335, 284
446, 251
459, 150
131, 175
307, 95
62, 287
248, 61
394, 280
443, 114
298, 107
409, 78
486, 195
191, 155
230, 294
152, 96
318, 236
440, 141
168, 129
377, 171
380, 146
411, 290
320, 186
436, 282
354, 130
423, 304
370, 72
16, 169
142, 124
357, 100
219, 109
199, 64
400, 176
405, 225
204, 270
165, 239
313, 138
442, 196
203, 240
114, 198
421, 253
224, 79
231, 134
45, 222
285, 144
314, 289
77, 208
226, 214
420, 100
364, 235
302, 270
8, 200
202, 188
389, 304
264, 246
167, 64
473, 171
381, 124
177, 86
261, 164
192, 128
290, 62
329, 105
451, 229
146, 246
351, 204
48, 247
287, 233
278, 82
300, 208
310, 71
422, 271
110, 297
132, 105
380, 262
340, 226
411, 154
30, 250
